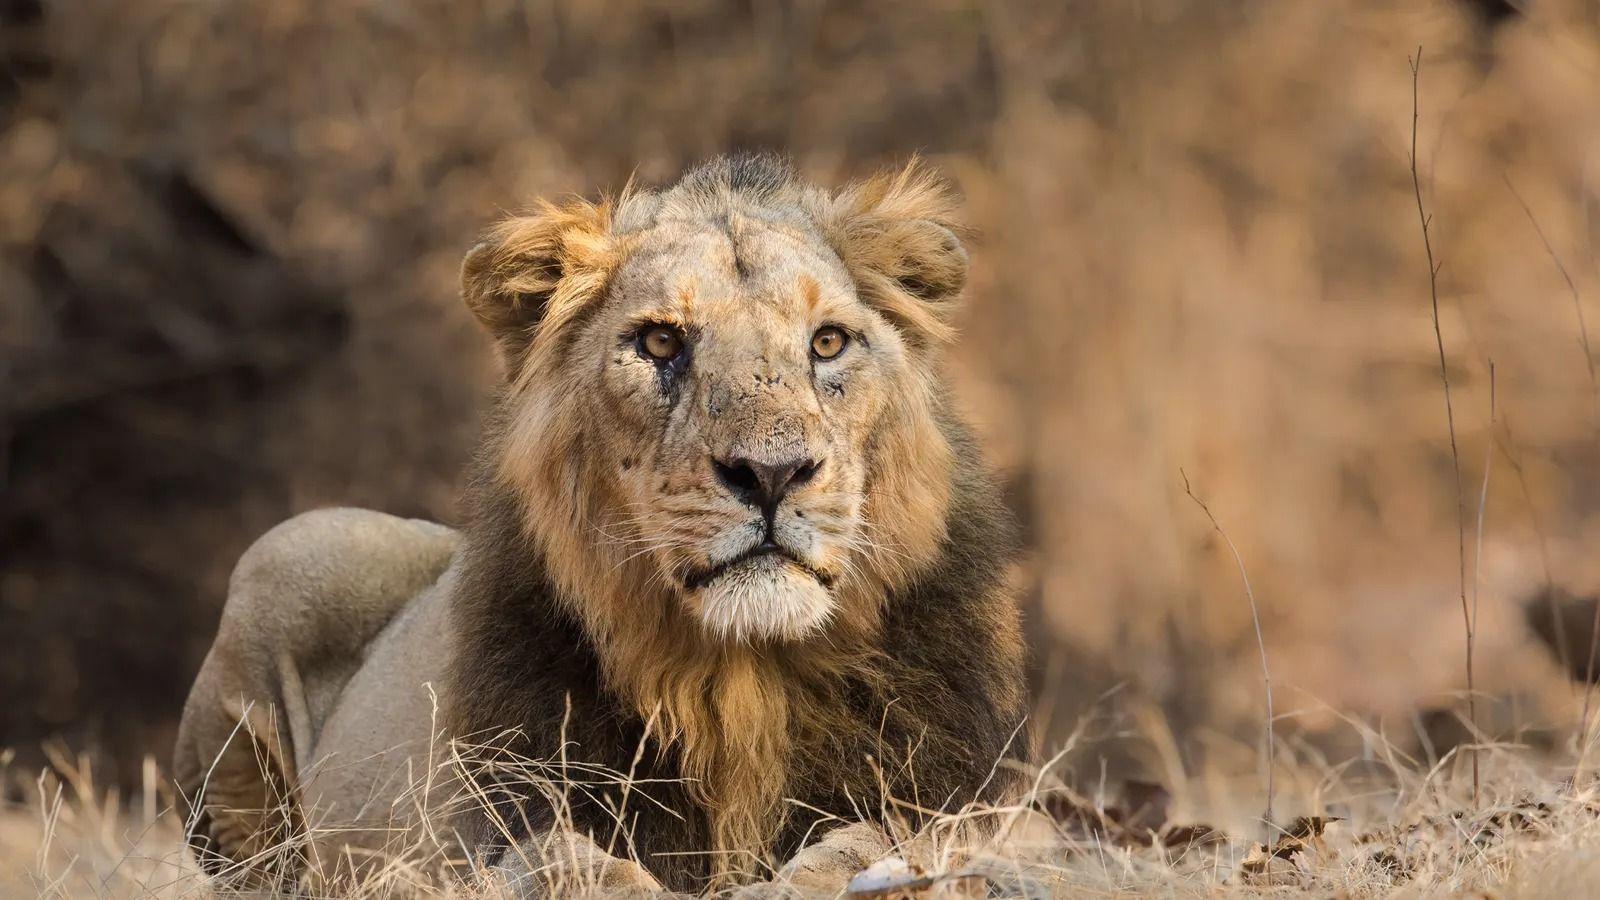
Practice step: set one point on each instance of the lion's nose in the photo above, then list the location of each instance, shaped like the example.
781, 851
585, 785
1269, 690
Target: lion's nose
763, 484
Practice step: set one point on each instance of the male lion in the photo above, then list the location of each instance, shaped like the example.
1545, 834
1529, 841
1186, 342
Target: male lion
732, 572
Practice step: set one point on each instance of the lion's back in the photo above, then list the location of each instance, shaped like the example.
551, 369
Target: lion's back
332, 577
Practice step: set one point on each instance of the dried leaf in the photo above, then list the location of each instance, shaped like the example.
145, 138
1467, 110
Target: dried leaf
1306, 827
1263, 866
1190, 836
1302, 834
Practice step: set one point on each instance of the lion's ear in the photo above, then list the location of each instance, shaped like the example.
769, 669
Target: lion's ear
532, 273
898, 235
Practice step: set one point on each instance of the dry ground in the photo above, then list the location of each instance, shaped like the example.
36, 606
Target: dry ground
1382, 826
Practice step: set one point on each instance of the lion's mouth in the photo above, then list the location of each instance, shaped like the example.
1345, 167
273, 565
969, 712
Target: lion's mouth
766, 549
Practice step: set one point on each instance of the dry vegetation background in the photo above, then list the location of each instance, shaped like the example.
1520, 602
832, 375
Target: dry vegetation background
229, 239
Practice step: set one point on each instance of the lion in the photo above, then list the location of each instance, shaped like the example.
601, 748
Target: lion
733, 572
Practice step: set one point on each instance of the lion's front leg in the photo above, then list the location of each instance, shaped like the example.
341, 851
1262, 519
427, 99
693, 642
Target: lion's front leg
824, 869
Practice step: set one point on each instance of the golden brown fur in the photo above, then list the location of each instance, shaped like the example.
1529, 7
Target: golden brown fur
765, 582
723, 705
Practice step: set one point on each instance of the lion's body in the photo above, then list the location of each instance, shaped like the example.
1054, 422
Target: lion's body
925, 712
330, 616
867, 668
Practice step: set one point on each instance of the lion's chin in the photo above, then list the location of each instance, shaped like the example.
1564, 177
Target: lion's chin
767, 598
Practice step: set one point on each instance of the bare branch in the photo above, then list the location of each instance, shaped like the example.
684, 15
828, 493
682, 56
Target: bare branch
1477, 556
1449, 410
1572, 288
1261, 643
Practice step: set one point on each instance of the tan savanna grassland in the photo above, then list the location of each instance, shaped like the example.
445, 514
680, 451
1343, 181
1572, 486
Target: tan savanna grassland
1198, 248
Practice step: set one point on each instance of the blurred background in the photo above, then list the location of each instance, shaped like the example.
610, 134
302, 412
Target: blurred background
230, 236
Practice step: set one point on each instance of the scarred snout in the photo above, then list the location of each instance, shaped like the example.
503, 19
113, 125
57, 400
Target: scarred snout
768, 571
766, 434
764, 484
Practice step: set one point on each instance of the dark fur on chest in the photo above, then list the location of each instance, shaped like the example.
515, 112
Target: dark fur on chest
944, 686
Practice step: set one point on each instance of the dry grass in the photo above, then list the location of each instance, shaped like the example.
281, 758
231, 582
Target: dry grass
1387, 825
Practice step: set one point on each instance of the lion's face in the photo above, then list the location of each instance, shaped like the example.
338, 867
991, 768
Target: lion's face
725, 420
748, 377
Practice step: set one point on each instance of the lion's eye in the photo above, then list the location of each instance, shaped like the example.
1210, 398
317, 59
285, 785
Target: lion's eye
661, 342
828, 342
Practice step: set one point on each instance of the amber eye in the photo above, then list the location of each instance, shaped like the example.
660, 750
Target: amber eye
661, 342
828, 342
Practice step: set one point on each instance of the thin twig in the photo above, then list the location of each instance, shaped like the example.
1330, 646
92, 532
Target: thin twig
1449, 411
1261, 642
1584, 723
1483, 506
1572, 289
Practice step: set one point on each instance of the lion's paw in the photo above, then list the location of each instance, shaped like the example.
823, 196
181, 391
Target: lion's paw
770, 890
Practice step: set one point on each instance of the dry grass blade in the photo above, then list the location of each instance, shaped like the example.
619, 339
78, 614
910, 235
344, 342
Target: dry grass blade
1261, 643
1449, 411
1483, 508
1572, 290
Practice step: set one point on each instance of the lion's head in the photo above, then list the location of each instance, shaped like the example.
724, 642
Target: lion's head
722, 404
